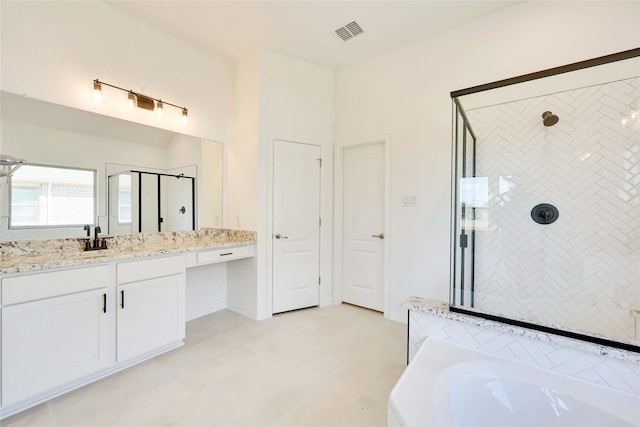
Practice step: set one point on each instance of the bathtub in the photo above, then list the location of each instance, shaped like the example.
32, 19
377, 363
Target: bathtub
449, 385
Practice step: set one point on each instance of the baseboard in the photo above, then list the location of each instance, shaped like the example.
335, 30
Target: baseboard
245, 313
204, 311
400, 318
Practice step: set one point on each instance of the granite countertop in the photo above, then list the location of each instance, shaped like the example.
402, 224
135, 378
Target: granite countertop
33, 255
441, 309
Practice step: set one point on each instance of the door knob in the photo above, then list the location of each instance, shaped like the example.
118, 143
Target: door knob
379, 236
279, 236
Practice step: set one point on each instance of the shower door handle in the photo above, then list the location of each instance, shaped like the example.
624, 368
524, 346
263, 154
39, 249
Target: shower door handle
379, 236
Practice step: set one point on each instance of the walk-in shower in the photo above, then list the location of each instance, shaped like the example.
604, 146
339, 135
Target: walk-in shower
148, 202
546, 200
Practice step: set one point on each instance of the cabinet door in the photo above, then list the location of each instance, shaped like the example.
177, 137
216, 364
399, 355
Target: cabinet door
150, 315
51, 342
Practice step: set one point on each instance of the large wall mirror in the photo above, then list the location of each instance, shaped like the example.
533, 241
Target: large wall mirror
121, 153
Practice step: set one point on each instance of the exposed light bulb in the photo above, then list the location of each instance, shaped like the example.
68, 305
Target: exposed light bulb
185, 114
159, 108
132, 101
97, 90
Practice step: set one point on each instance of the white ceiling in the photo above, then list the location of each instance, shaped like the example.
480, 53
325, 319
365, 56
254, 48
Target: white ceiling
304, 29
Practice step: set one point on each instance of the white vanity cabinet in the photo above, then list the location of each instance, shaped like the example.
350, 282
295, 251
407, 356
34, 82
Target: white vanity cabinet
150, 306
55, 329
63, 328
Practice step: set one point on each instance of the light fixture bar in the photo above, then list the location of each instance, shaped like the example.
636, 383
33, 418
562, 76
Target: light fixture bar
147, 98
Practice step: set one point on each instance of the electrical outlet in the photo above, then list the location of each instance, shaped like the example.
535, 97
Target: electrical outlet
409, 201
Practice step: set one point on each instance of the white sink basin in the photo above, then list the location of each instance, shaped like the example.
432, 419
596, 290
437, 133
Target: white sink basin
449, 385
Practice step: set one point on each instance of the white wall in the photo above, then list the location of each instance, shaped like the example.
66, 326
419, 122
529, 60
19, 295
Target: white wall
404, 96
211, 184
296, 104
242, 183
276, 97
53, 50
242, 171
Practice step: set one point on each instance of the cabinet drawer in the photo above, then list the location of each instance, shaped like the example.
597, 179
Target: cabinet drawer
227, 254
149, 268
45, 285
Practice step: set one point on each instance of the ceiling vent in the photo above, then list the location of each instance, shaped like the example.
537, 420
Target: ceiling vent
349, 31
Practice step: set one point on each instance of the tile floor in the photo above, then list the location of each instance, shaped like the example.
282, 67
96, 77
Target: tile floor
333, 366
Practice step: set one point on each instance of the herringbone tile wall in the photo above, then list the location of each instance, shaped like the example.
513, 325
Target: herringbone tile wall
583, 271
588, 366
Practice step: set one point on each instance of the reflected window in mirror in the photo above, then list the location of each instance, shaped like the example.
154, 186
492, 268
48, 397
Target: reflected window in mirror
124, 199
51, 196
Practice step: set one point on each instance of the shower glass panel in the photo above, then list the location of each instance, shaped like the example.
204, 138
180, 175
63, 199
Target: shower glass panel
546, 200
148, 202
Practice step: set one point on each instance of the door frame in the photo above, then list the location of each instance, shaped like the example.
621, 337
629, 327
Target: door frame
338, 210
269, 225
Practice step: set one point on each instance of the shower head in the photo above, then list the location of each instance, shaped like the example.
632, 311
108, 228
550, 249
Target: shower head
549, 119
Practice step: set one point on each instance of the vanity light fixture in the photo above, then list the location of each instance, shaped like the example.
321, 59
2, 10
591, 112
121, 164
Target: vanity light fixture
159, 108
97, 90
185, 113
139, 100
131, 100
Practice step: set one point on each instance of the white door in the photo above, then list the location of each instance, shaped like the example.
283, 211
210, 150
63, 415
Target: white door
51, 342
363, 226
296, 226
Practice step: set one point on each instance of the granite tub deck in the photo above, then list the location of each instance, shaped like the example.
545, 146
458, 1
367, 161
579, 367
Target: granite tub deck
33, 255
609, 366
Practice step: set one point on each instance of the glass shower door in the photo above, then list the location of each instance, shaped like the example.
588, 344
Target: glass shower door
177, 203
468, 201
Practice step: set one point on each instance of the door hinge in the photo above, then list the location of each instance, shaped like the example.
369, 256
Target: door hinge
319, 280
320, 222
320, 161
463, 240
